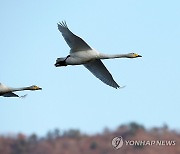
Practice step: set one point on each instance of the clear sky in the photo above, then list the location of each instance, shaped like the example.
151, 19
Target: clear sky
72, 97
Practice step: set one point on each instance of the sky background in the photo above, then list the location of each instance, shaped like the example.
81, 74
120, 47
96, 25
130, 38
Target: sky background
72, 97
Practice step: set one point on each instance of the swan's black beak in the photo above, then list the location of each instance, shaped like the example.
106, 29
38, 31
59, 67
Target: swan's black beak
139, 56
38, 88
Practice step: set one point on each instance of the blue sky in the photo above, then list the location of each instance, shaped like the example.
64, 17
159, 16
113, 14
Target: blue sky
72, 97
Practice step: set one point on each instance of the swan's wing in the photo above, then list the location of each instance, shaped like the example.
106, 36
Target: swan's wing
75, 43
10, 94
98, 69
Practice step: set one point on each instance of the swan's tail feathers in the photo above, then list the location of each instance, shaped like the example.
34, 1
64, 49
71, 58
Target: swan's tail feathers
98, 69
60, 62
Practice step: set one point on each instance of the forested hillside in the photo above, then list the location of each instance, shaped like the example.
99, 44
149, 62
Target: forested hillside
136, 140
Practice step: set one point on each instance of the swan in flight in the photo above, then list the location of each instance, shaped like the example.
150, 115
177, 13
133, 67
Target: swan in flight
82, 54
8, 91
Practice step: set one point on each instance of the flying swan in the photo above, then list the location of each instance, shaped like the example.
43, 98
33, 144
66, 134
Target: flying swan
82, 54
8, 91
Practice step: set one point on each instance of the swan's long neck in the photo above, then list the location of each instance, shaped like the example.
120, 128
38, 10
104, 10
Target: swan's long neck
21, 89
107, 56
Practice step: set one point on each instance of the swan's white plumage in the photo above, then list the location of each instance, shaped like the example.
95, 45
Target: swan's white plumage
3, 88
8, 91
82, 53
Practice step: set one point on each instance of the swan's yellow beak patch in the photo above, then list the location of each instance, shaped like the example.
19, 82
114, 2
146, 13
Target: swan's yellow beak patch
37, 88
136, 55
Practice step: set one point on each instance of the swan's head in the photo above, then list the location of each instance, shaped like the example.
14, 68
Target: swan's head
133, 55
60, 62
34, 87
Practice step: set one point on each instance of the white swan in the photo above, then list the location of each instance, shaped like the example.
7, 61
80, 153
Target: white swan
8, 91
82, 53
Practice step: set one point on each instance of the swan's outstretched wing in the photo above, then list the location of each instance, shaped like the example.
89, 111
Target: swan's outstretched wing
10, 94
98, 69
75, 43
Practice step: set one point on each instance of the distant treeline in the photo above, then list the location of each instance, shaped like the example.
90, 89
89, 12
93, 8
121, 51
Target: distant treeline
136, 140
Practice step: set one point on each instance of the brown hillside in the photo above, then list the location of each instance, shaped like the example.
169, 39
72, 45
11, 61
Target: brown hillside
136, 140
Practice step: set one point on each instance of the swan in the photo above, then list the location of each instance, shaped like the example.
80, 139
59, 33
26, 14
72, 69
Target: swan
8, 91
82, 54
